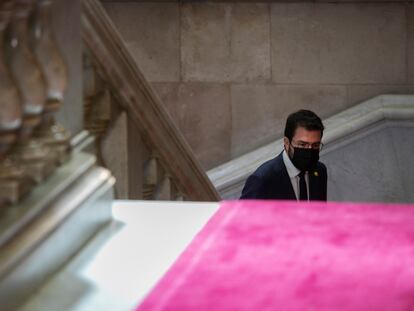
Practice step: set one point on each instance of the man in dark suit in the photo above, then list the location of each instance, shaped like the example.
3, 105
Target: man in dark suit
296, 173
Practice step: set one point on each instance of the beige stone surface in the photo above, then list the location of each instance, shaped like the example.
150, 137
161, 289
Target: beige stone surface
410, 43
225, 42
202, 113
259, 112
315, 54
151, 32
359, 93
336, 1
338, 43
169, 96
364, 1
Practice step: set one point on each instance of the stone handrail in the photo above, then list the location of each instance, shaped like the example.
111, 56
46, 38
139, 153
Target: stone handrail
229, 177
143, 107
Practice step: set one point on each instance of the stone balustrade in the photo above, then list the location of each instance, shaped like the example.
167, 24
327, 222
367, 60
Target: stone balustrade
33, 79
135, 137
53, 196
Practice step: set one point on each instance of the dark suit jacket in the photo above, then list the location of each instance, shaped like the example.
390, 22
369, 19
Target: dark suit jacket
271, 181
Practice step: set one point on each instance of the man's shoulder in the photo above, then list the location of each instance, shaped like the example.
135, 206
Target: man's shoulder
270, 168
321, 169
321, 166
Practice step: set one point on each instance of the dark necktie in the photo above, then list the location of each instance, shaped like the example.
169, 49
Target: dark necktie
303, 192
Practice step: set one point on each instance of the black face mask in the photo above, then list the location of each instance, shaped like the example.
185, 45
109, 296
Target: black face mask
304, 158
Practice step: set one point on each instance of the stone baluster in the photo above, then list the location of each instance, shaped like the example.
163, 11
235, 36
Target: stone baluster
176, 194
158, 183
13, 181
25, 68
179, 197
150, 177
10, 112
97, 106
32, 154
163, 190
55, 72
98, 113
97, 100
92, 83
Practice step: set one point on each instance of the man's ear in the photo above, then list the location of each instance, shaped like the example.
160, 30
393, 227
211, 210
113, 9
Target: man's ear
286, 143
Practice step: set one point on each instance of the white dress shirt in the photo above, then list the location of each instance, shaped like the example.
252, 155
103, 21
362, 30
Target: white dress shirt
293, 173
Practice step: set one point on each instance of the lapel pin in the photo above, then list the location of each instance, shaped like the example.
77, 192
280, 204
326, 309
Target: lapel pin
316, 174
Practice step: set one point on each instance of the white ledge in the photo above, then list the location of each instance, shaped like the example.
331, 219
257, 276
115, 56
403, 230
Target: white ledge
343, 124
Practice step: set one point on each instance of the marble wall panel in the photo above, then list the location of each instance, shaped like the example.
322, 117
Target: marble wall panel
403, 147
366, 170
202, 113
360, 93
151, 32
259, 112
225, 42
338, 43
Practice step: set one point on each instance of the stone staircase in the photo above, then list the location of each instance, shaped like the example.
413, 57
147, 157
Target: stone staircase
368, 152
129, 135
71, 201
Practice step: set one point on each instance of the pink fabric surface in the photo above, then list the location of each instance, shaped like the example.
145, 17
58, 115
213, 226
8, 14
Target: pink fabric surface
264, 255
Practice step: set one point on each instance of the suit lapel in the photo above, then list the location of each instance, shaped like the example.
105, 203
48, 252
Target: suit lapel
287, 184
284, 179
314, 184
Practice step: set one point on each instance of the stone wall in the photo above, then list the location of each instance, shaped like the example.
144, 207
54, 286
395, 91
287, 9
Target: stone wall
230, 72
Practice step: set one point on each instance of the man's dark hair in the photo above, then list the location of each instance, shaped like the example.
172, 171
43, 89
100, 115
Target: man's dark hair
302, 118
